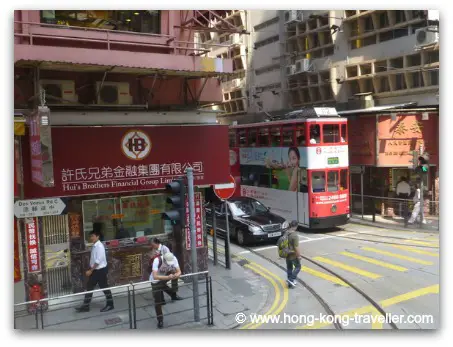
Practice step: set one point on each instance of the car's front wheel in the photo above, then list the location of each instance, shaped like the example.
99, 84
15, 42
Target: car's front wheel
240, 237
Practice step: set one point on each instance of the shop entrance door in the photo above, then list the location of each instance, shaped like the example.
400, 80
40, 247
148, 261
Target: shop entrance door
56, 255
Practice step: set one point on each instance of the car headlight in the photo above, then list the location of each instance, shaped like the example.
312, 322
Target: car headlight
254, 229
285, 225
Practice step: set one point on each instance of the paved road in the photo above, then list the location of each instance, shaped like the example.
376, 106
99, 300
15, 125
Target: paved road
398, 269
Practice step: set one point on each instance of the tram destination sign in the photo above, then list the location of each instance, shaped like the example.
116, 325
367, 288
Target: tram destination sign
38, 207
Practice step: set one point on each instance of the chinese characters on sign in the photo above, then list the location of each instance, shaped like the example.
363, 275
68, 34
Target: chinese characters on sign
131, 266
198, 222
321, 200
151, 176
38, 207
31, 232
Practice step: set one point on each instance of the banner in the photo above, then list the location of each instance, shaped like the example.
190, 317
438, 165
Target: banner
17, 272
198, 222
96, 160
33, 254
41, 148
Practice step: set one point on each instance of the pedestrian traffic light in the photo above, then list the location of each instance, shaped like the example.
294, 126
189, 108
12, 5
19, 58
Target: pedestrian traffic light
177, 198
423, 164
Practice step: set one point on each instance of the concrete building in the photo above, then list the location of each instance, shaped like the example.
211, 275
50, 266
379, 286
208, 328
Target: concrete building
97, 74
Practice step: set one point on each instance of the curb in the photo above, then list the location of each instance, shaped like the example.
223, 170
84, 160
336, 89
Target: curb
391, 227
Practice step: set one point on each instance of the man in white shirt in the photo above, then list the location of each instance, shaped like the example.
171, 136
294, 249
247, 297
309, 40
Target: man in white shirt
160, 249
403, 190
165, 268
417, 207
97, 274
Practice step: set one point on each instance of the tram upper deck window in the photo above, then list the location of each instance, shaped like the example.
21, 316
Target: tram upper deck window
263, 135
275, 136
344, 133
331, 133
332, 181
242, 135
288, 133
253, 138
232, 137
300, 135
318, 181
315, 133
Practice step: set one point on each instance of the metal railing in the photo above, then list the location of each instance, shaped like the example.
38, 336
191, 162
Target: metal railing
111, 37
396, 211
132, 308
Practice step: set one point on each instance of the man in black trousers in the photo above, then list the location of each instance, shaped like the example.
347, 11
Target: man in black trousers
97, 274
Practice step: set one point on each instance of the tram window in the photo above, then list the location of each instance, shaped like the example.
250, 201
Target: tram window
318, 181
343, 179
275, 136
232, 137
344, 133
332, 181
263, 135
252, 137
331, 133
315, 133
242, 138
288, 136
300, 135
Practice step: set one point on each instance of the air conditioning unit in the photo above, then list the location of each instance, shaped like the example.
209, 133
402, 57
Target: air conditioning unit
293, 16
303, 65
290, 70
59, 91
113, 93
426, 36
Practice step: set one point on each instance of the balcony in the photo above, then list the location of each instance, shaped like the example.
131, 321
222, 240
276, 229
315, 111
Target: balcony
61, 47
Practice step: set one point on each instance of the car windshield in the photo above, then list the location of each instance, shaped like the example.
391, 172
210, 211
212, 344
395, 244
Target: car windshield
247, 207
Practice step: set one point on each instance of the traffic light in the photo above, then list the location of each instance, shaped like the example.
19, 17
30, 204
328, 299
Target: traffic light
423, 164
177, 198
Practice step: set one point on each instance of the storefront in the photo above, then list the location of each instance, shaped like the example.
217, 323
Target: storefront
111, 179
381, 147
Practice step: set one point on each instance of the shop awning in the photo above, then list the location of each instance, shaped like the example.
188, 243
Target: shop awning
97, 60
376, 108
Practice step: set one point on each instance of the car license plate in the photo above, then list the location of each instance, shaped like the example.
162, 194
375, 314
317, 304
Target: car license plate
274, 234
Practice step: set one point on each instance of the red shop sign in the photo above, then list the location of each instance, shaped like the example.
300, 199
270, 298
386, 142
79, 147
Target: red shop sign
34, 259
96, 160
198, 222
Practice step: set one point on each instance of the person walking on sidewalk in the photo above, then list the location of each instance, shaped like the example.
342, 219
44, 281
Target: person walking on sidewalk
97, 274
417, 207
165, 268
403, 190
288, 248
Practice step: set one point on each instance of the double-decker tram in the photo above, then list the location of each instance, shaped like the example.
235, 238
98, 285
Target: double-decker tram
297, 166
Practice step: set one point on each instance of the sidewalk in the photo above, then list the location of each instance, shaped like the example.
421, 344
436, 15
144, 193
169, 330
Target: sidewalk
233, 291
431, 226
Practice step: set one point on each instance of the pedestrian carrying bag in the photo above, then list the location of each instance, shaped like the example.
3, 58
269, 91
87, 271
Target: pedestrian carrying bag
283, 246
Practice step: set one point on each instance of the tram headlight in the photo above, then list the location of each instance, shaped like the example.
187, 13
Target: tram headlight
285, 225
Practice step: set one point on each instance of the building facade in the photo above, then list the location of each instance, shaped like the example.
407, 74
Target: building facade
108, 98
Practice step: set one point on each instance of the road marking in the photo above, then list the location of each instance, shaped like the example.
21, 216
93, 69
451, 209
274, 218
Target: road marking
399, 256
414, 250
374, 261
264, 248
347, 267
431, 244
384, 303
324, 276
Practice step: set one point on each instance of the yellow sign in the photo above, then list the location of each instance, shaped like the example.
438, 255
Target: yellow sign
154, 212
19, 128
117, 216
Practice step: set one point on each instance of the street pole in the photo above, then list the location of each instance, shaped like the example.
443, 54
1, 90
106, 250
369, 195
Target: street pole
193, 244
214, 236
422, 202
361, 187
227, 239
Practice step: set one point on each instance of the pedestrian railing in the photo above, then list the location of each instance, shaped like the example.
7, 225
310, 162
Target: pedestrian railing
394, 211
134, 308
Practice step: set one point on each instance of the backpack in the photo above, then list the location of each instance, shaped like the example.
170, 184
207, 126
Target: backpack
283, 246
